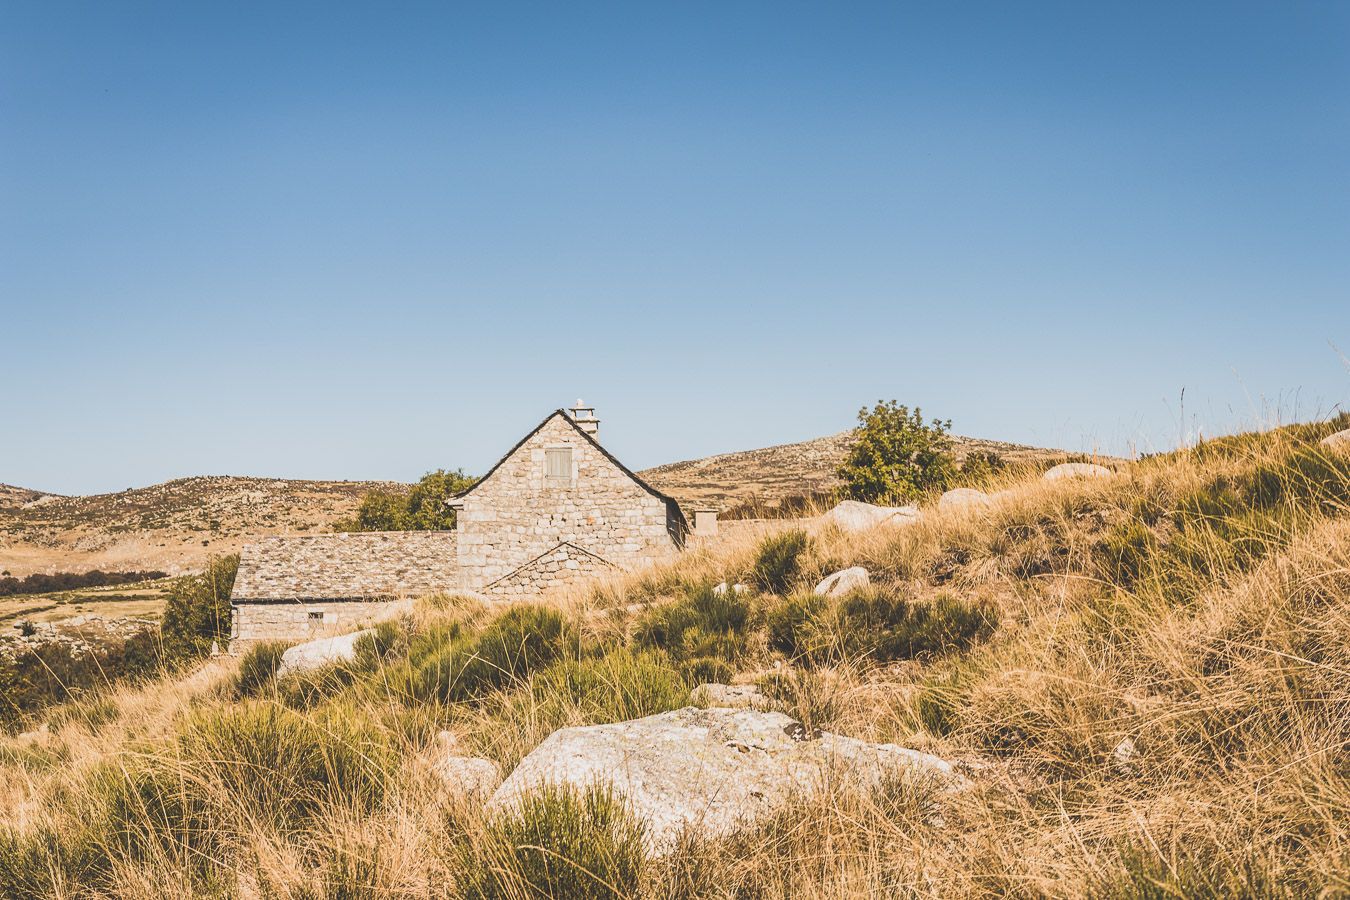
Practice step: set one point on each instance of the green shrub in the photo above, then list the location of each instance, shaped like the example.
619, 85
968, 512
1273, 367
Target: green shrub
897, 457
876, 624
50, 673
451, 664
561, 844
787, 620
421, 508
258, 668
615, 687
197, 612
701, 623
778, 561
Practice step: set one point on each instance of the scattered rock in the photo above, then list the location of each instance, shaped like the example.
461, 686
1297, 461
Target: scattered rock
468, 776
314, 654
730, 696
1338, 441
852, 515
712, 770
1123, 753
721, 589
843, 582
1077, 470
965, 498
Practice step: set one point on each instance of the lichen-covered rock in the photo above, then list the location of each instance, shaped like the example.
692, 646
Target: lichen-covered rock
843, 582
964, 498
315, 654
853, 515
1077, 470
730, 696
711, 770
468, 776
1338, 441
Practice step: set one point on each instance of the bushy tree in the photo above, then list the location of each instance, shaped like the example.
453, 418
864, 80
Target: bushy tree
423, 508
198, 610
898, 456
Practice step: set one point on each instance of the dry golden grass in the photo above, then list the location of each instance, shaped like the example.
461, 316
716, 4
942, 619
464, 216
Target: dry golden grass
1163, 710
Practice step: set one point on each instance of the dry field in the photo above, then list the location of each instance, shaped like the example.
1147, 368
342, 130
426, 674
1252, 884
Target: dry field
1146, 679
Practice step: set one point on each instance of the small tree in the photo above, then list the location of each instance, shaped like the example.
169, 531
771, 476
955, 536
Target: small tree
198, 610
897, 457
423, 508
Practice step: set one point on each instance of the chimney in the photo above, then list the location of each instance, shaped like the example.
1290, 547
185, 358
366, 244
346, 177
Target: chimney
585, 418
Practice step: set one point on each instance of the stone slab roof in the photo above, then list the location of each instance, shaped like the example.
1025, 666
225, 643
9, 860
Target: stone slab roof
356, 566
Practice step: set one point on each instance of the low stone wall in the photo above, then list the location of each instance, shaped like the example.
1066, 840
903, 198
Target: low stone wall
296, 620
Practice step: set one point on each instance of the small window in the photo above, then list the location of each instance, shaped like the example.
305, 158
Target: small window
316, 616
558, 464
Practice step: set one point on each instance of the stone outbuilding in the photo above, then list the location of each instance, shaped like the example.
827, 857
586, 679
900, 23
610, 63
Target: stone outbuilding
557, 508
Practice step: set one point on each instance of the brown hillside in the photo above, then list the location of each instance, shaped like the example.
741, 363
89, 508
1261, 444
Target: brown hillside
172, 526
175, 526
791, 470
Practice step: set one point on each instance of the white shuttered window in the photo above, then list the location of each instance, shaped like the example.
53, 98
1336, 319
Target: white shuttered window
558, 463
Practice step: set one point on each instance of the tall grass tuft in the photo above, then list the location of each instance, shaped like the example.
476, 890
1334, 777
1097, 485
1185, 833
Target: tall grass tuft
561, 844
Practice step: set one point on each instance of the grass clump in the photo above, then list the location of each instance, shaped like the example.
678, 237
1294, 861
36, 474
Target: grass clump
615, 687
778, 561
258, 668
450, 663
705, 631
879, 625
560, 844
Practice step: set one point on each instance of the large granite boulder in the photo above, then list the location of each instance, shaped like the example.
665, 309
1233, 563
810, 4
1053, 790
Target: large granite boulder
853, 515
1076, 470
965, 498
730, 696
712, 770
845, 581
1338, 441
316, 654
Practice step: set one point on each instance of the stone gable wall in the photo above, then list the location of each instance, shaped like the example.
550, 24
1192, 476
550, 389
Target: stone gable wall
562, 565
517, 515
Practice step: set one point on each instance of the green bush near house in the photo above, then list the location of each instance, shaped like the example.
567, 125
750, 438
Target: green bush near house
197, 612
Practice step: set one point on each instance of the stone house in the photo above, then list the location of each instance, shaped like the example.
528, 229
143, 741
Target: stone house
555, 509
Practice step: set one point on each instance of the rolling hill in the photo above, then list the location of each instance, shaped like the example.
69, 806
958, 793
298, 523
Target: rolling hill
176, 525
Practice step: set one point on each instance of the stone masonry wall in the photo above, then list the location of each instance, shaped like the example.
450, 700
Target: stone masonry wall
295, 620
517, 514
564, 564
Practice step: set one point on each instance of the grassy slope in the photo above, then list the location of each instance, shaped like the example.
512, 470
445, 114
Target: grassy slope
1195, 608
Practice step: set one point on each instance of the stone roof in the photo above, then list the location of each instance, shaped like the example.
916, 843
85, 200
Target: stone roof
357, 566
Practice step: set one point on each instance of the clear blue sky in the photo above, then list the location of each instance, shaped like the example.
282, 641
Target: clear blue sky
340, 241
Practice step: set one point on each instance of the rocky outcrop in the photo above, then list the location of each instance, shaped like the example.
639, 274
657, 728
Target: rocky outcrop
853, 515
730, 696
843, 582
721, 590
470, 777
315, 654
710, 770
1077, 470
1338, 441
965, 498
